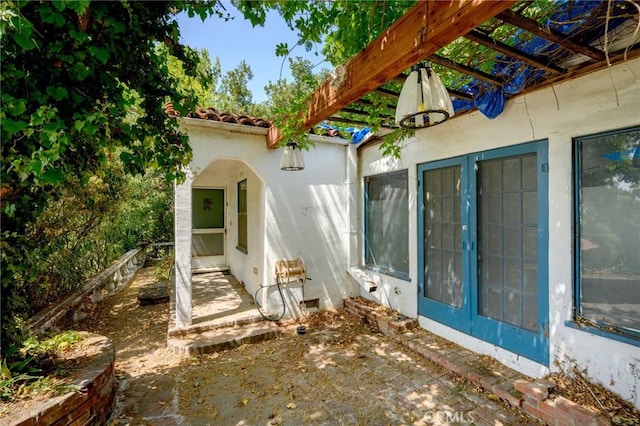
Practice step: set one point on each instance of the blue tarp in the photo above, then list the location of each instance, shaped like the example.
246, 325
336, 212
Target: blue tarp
490, 99
357, 135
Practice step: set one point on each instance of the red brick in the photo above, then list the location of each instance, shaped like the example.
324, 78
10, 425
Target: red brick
535, 412
79, 411
82, 419
562, 418
583, 415
539, 391
601, 420
531, 400
506, 392
477, 379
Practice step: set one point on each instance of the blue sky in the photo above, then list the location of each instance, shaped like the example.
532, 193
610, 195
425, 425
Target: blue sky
235, 40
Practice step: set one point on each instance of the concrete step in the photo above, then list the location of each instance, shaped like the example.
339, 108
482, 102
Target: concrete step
222, 339
230, 320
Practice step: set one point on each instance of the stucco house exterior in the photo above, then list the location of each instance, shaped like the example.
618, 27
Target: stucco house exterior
288, 214
351, 201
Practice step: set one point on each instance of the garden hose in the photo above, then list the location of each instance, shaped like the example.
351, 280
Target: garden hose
284, 305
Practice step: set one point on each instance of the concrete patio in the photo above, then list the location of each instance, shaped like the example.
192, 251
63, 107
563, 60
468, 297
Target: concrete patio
224, 316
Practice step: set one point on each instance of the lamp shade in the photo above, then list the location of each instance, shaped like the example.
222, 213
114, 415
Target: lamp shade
424, 100
291, 159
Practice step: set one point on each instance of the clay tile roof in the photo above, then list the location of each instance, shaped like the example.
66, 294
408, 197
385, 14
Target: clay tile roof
229, 117
247, 120
326, 132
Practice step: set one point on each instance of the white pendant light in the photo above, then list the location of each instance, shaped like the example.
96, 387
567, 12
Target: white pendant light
424, 100
291, 159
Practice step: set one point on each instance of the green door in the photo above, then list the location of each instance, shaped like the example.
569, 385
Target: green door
208, 224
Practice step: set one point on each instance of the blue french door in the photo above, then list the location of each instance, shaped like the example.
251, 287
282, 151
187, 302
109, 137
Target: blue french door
483, 246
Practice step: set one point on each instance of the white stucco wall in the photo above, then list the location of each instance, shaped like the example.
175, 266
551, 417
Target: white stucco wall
580, 107
290, 214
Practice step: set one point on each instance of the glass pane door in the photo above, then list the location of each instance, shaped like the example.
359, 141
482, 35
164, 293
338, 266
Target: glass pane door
508, 240
483, 246
442, 236
208, 228
444, 293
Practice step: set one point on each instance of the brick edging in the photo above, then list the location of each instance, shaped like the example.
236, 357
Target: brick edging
532, 397
93, 400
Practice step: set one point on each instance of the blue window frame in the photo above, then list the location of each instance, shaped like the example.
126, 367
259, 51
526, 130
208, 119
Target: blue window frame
483, 246
607, 231
242, 217
387, 223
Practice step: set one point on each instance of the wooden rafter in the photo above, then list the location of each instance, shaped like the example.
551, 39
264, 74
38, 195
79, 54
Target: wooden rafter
498, 46
361, 112
552, 35
366, 102
460, 94
352, 121
414, 37
464, 69
358, 112
387, 92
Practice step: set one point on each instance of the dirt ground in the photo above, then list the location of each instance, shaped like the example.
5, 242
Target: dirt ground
339, 372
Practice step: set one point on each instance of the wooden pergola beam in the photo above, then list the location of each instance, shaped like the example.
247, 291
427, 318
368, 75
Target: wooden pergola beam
356, 122
550, 34
498, 46
464, 69
415, 36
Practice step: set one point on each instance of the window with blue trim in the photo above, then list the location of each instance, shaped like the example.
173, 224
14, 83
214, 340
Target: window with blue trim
607, 229
242, 216
387, 223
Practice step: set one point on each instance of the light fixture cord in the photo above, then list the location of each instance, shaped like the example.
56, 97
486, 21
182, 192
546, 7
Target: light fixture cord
420, 88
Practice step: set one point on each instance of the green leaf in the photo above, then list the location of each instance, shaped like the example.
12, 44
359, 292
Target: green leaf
78, 125
80, 71
79, 36
4, 370
53, 176
100, 54
12, 126
16, 107
126, 157
60, 5
80, 6
90, 128
282, 49
118, 27
25, 43
10, 210
36, 166
58, 93
51, 17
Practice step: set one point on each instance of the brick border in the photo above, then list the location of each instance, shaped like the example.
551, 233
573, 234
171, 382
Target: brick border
520, 391
94, 398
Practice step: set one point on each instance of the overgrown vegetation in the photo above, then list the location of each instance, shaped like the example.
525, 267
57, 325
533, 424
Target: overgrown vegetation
36, 370
88, 154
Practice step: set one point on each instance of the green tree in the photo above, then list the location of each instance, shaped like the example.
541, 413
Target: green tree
234, 93
199, 88
82, 82
282, 92
345, 28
